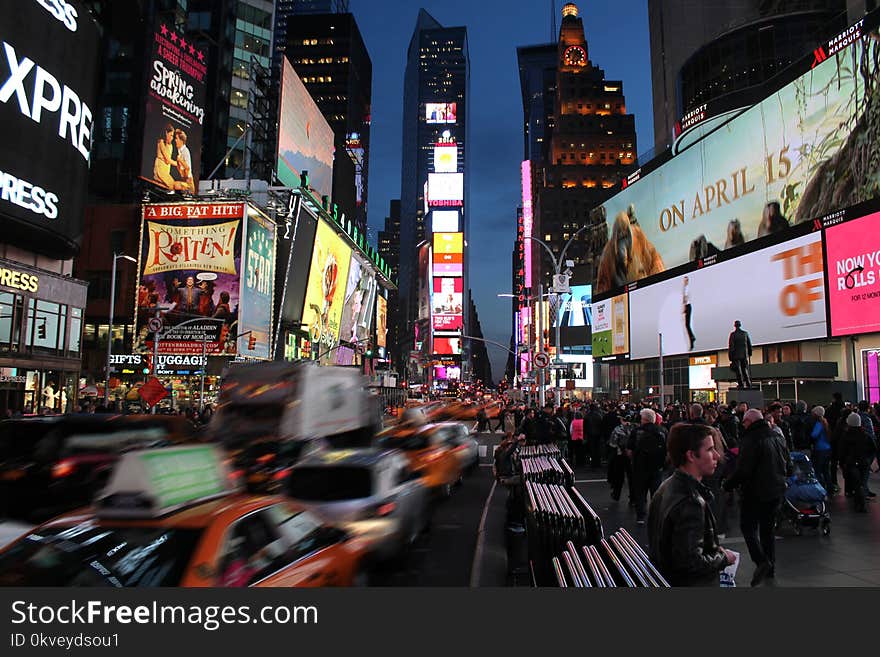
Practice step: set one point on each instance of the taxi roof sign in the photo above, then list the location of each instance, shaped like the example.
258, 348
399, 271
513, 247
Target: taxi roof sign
151, 483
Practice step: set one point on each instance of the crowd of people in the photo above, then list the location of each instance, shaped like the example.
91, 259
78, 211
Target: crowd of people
689, 459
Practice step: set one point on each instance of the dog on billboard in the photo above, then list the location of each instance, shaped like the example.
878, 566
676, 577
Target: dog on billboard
628, 255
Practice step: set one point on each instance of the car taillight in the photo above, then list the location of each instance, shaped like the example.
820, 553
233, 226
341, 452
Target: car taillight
385, 509
235, 475
265, 458
63, 469
281, 474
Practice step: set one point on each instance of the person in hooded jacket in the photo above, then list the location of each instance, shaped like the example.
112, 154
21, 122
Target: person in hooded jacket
856, 451
647, 450
761, 470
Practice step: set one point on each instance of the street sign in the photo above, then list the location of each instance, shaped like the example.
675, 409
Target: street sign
155, 324
558, 365
560, 284
542, 360
152, 392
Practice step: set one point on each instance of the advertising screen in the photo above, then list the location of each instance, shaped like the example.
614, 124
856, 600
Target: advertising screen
257, 287
448, 253
579, 370
381, 324
788, 304
44, 153
445, 189
190, 267
424, 282
305, 139
574, 316
447, 346
444, 221
174, 112
440, 112
447, 304
293, 266
360, 294
445, 158
853, 261
325, 291
700, 372
782, 162
611, 327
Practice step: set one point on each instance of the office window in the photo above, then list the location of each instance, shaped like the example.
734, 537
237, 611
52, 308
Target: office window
10, 313
46, 324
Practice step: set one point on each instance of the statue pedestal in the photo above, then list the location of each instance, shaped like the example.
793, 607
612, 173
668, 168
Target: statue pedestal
754, 397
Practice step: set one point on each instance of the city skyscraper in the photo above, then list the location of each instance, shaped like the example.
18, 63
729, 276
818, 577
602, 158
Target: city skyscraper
434, 173
328, 53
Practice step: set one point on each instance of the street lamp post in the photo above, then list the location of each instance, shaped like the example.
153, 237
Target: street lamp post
557, 268
116, 256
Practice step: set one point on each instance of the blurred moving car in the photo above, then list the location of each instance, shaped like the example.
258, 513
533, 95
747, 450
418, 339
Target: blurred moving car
373, 491
59, 462
169, 518
429, 452
462, 443
262, 467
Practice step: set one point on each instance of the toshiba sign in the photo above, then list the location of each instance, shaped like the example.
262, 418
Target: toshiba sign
48, 64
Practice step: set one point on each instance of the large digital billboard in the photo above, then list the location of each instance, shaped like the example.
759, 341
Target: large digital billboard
574, 316
440, 112
853, 261
174, 112
786, 301
325, 291
257, 287
444, 221
447, 303
381, 324
611, 327
445, 158
445, 189
360, 295
448, 254
791, 158
579, 370
48, 72
447, 346
190, 268
305, 139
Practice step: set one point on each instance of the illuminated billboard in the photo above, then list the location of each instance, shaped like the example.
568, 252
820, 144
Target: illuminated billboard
528, 219
257, 287
447, 346
305, 139
853, 261
574, 307
579, 369
424, 311
787, 305
786, 160
381, 324
445, 189
444, 221
190, 268
174, 112
448, 254
325, 291
48, 74
447, 303
360, 294
445, 158
440, 112
611, 327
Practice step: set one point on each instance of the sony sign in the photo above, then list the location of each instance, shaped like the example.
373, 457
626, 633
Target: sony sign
48, 68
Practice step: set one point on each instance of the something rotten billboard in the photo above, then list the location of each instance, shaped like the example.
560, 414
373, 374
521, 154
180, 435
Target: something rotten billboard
190, 268
175, 111
257, 287
803, 152
48, 69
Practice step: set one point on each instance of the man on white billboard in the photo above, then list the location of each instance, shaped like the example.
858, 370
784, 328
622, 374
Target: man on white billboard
739, 349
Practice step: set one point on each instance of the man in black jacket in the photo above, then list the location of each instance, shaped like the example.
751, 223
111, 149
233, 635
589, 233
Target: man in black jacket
761, 468
647, 449
682, 537
739, 350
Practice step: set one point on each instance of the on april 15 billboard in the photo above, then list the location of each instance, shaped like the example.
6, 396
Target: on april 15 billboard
175, 111
305, 139
190, 268
853, 260
325, 291
788, 159
257, 287
49, 62
787, 305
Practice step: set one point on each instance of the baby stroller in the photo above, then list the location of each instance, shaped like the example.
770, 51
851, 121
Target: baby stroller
804, 503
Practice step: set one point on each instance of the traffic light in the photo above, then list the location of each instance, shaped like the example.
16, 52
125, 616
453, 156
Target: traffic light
41, 331
252, 342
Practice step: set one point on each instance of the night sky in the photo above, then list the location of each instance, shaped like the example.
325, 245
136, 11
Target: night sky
617, 37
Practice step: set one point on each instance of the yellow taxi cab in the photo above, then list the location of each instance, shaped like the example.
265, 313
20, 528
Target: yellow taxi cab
429, 452
169, 518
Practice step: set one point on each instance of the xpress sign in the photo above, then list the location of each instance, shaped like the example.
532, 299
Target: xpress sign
48, 64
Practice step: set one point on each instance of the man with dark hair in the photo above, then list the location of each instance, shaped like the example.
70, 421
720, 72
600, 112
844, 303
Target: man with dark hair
761, 469
799, 426
682, 537
776, 411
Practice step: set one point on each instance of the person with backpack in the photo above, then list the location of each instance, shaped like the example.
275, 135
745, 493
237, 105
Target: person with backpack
856, 451
619, 466
761, 471
647, 451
